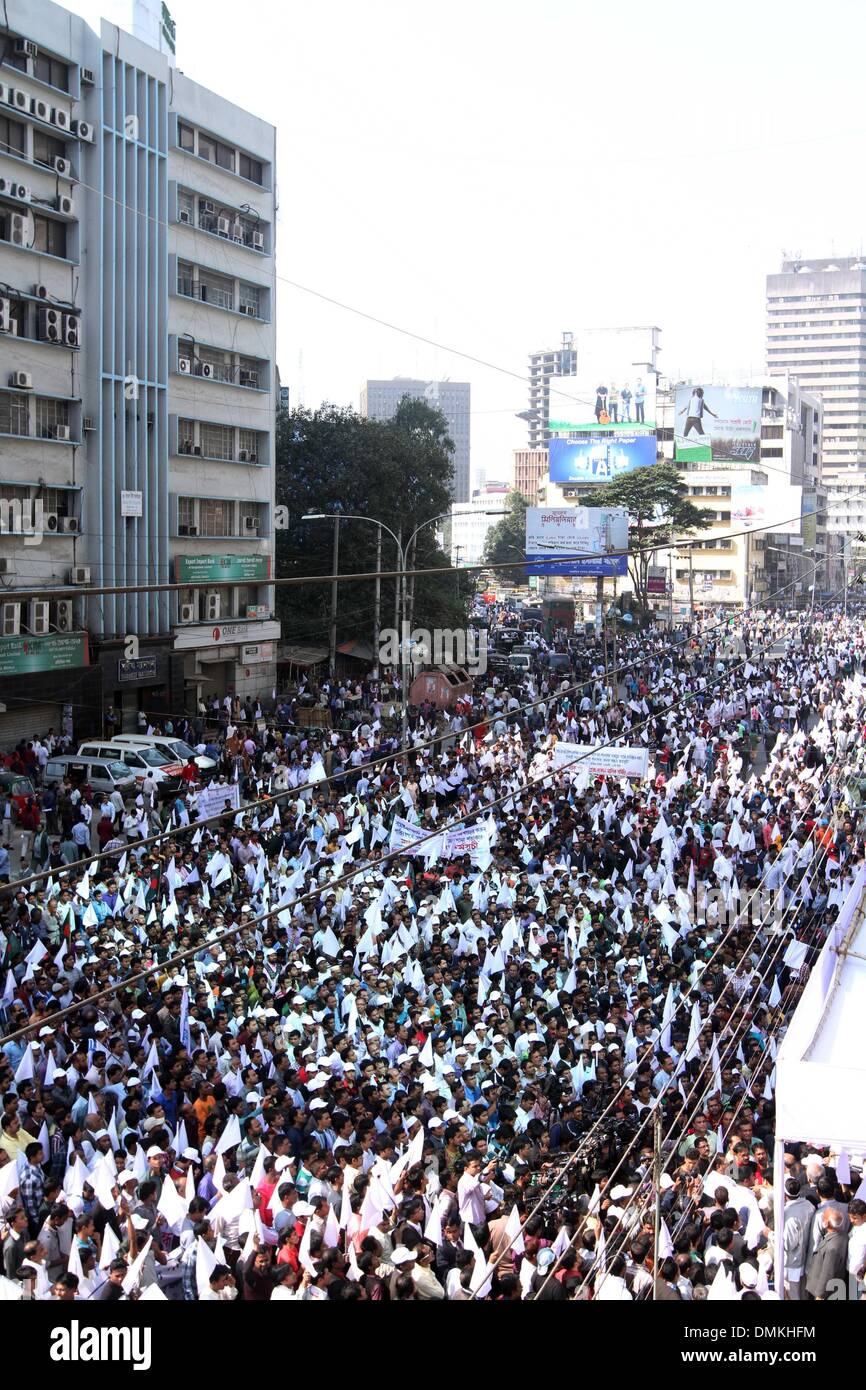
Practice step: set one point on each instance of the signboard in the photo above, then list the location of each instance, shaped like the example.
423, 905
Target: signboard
404, 834
574, 540
717, 422
810, 519
656, 586
766, 507
258, 610
256, 652
211, 569
59, 651
601, 762
600, 457
614, 395
212, 798
462, 841
223, 636
131, 503
144, 669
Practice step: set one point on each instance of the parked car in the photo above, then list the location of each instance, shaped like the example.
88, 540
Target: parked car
175, 749
102, 774
18, 787
139, 761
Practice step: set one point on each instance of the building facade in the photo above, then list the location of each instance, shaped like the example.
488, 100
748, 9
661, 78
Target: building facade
470, 522
530, 469
137, 374
380, 399
816, 334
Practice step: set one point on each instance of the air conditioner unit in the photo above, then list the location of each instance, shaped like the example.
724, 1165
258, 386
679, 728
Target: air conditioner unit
62, 432
188, 613
87, 424
207, 206
206, 369
84, 130
243, 455
21, 381
5, 316
62, 167
20, 191
258, 241
87, 77
26, 48
212, 604
248, 378
41, 292
49, 325
21, 100
184, 215
79, 574
223, 225
72, 330
251, 525
195, 449
238, 232
50, 522
38, 617
66, 205
249, 309
20, 229
64, 615
11, 619
40, 109
184, 366
61, 118
69, 525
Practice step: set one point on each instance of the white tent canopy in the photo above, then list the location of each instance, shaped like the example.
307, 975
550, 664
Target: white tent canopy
821, 1067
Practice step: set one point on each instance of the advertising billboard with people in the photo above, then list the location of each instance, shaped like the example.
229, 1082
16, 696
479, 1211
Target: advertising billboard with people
717, 423
614, 396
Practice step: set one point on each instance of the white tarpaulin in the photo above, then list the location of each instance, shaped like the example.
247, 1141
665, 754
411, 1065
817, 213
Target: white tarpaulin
212, 798
601, 762
821, 1067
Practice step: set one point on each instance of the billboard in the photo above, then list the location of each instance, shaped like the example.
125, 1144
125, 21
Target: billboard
766, 507
599, 761
600, 457
574, 540
615, 395
717, 422
26, 656
210, 569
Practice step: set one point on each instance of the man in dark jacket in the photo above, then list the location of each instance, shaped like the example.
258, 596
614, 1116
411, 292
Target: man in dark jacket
827, 1267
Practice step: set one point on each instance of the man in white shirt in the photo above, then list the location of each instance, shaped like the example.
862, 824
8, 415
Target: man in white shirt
472, 1192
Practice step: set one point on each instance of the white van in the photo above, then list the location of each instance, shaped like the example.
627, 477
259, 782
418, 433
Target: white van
104, 775
174, 748
140, 762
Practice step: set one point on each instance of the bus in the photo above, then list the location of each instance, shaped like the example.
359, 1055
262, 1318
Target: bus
557, 612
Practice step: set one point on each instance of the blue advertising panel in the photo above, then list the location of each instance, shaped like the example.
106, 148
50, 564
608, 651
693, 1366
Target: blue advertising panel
590, 567
600, 458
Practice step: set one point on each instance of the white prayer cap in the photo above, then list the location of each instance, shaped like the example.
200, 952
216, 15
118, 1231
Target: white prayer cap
130, 1080
402, 1256
318, 1105
125, 1177
59, 1071
252, 1097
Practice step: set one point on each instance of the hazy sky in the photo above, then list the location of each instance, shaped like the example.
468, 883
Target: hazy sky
487, 173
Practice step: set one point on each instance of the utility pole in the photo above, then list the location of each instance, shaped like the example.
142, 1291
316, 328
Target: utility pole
691, 589
671, 590
377, 611
332, 655
657, 1183
397, 589
457, 550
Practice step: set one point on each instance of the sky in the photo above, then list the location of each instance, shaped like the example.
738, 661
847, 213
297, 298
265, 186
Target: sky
486, 174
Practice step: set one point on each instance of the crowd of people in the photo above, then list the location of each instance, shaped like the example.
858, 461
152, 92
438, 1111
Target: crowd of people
325, 1047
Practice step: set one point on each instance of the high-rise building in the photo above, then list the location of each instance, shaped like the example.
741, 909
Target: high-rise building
530, 468
471, 522
380, 399
543, 367
816, 333
137, 377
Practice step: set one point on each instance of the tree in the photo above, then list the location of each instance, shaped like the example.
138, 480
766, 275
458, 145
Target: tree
658, 509
506, 541
399, 472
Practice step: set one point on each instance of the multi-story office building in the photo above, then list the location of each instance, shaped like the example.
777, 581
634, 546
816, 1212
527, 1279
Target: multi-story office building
137, 377
543, 367
530, 469
816, 333
471, 522
380, 399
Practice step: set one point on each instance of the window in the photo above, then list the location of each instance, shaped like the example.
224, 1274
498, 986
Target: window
50, 414
251, 169
225, 157
205, 147
215, 517
49, 236
56, 499
185, 279
185, 206
248, 443
186, 511
221, 370
250, 298
216, 289
244, 597
249, 374
250, 518
18, 315
186, 137
217, 441
46, 149
51, 71
14, 414
11, 136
